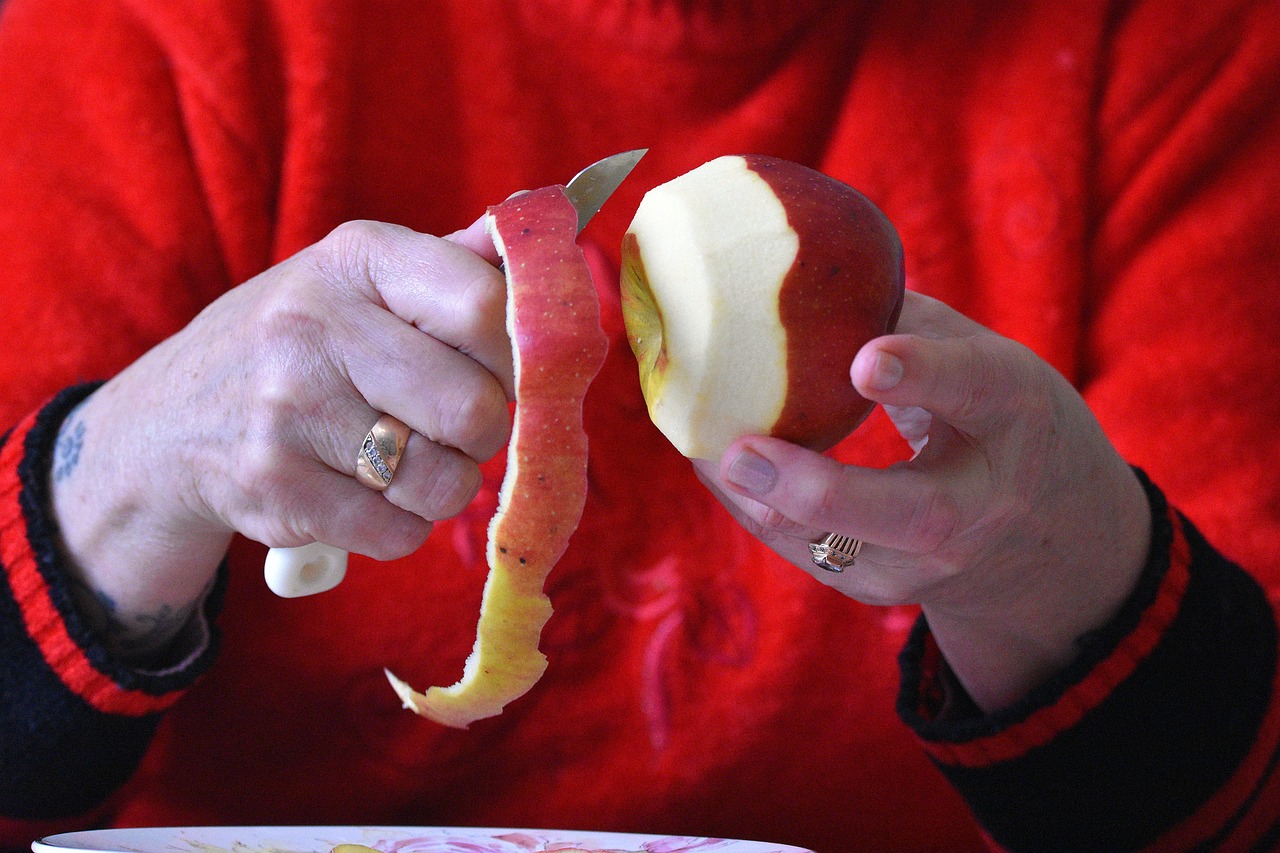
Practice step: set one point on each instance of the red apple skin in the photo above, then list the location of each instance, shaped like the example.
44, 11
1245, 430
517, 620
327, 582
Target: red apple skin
561, 347
845, 288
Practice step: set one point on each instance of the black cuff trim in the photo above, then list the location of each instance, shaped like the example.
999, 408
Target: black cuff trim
1095, 647
1154, 748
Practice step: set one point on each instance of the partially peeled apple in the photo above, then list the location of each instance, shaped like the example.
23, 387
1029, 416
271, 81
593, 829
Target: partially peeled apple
748, 286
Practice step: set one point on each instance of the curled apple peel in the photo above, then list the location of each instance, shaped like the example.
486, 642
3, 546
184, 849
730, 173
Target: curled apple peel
553, 318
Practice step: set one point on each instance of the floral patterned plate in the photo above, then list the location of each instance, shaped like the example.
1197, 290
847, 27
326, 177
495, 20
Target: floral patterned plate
388, 839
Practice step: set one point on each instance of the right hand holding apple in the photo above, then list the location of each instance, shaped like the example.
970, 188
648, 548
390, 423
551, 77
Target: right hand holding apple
1017, 526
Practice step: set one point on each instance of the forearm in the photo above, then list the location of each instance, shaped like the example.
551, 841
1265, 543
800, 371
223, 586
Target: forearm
1168, 708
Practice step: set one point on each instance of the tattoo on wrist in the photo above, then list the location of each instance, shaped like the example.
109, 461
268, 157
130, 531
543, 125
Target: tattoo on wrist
68, 446
140, 638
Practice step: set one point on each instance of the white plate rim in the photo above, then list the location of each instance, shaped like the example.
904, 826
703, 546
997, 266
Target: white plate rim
322, 838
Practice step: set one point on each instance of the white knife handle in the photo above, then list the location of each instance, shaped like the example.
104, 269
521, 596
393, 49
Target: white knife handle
305, 570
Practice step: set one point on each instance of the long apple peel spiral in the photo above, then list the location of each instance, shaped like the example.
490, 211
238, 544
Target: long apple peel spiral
553, 318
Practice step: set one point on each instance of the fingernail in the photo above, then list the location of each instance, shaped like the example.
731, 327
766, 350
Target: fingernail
886, 372
752, 472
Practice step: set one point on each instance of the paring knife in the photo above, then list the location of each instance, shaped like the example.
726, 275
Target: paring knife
315, 568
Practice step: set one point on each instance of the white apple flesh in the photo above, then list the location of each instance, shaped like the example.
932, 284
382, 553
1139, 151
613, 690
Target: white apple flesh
748, 285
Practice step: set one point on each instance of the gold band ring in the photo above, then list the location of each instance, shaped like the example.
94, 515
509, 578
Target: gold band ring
835, 552
380, 452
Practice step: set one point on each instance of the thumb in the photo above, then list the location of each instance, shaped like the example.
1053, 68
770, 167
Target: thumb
477, 239
975, 383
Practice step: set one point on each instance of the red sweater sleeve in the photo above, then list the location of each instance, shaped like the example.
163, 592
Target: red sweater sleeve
102, 170
1166, 733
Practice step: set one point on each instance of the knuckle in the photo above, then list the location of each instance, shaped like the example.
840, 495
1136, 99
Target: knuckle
355, 237
291, 340
825, 498
266, 499
276, 404
278, 389
482, 298
259, 472
769, 525
256, 461
979, 387
995, 384
774, 525
1005, 381
475, 420
451, 485
351, 250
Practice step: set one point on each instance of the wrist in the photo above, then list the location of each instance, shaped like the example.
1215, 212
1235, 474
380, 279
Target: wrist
58, 639
137, 569
1027, 622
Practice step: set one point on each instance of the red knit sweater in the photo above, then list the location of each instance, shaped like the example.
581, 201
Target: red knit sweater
1095, 179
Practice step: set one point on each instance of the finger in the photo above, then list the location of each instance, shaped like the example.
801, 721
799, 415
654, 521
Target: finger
898, 507
438, 391
975, 383
763, 522
351, 517
433, 482
476, 238
932, 318
439, 286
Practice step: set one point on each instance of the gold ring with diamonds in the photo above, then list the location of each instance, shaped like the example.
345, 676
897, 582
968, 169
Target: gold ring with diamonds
380, 453
835, 552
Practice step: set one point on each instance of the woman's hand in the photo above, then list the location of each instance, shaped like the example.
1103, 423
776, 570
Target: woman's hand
249, 420
1016, 526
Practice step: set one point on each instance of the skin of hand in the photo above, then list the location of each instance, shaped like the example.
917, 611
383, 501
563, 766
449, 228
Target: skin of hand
1016, 526
250, 418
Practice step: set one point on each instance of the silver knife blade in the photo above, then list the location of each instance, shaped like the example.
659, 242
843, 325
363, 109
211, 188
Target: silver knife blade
591, 188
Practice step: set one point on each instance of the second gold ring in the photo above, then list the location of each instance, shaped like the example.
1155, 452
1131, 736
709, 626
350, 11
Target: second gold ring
835, 552
380, 452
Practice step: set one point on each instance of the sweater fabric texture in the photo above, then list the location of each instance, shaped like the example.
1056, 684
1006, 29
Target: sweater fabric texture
1094, 179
